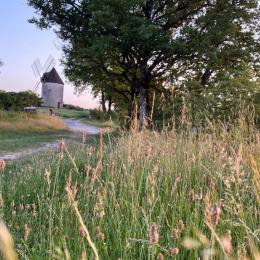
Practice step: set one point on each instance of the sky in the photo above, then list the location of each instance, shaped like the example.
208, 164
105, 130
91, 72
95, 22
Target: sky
21, 43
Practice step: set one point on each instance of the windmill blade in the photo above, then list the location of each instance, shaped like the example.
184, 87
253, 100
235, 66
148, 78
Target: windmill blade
39, 65
36, 86
37, 68
49, 64
35, 71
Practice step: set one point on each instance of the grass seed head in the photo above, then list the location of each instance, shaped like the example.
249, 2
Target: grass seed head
173, 251
215, 214
226, 242
192, 196
1, 201
100, 235
175, 233
2, 164
181, 225
160, 256
26, 232
154, 235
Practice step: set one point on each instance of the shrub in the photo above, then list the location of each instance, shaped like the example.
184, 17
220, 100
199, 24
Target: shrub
18, 100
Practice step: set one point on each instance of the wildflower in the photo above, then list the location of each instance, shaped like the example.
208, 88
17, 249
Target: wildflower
2, 164
192, 196
26, 233
226, 242
13, 212
160, 256
154, 235
175, 233
173, 251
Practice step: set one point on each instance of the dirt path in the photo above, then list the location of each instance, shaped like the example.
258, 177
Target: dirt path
76, 127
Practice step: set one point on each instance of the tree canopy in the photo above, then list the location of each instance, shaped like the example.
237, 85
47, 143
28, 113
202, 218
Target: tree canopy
129, 49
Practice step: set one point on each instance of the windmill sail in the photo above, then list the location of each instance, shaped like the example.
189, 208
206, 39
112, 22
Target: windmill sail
38, 70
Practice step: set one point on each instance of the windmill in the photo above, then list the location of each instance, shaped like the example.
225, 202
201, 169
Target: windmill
52, 84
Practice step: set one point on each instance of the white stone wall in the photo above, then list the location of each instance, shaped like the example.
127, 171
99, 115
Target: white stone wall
52, 94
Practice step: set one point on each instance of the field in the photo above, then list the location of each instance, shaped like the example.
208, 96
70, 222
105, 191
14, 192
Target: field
84, 115
142, 195
67, 113
21, 130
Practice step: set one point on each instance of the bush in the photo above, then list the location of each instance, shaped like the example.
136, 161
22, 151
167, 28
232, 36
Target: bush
72, 107
18, 100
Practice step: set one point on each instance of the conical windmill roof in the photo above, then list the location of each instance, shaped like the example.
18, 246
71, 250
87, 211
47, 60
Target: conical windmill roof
52, 77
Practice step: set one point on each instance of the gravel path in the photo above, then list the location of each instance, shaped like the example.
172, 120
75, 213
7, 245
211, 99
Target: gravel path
76, 127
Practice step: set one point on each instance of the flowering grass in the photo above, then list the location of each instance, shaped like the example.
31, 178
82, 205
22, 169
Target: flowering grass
142, 195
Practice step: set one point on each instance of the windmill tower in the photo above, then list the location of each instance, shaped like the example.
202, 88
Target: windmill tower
52, 84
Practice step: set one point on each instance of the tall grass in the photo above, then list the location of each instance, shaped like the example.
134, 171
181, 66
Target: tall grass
144, 195
24, 122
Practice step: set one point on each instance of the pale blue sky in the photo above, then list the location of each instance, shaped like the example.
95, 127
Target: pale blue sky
21, 43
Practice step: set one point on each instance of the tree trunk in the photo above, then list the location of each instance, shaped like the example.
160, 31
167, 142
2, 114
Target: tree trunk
109, 104
103, 102
143, 112
206, 76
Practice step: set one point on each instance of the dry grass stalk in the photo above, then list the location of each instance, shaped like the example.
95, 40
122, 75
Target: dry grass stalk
256, 178
71, 197
6, 243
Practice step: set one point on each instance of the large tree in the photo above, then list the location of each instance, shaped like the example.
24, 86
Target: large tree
136, 45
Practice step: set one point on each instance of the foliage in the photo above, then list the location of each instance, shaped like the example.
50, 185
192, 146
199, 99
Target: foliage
130, 48
73, 107
197, 193
18, 100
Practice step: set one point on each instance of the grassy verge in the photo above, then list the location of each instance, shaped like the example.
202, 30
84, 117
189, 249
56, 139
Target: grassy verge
140, 196
83, 115
21, 130
67, 113
99, 123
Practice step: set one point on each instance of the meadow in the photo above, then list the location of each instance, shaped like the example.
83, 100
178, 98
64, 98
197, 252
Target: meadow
140, 195
19, 130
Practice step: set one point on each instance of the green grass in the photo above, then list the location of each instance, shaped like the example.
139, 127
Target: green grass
127, 185
67, 113
13, 141
100, 123
20, 130
84, 115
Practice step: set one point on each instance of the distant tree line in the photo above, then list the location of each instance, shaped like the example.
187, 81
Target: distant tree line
18, 100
